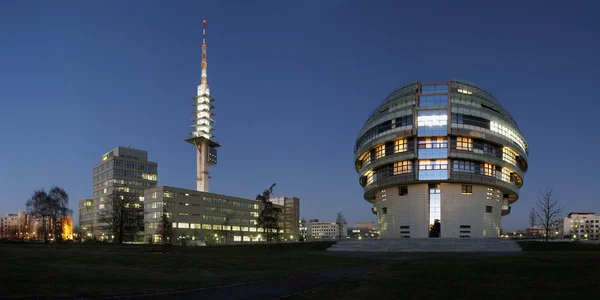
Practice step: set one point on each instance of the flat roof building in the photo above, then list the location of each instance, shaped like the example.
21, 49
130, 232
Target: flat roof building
121, 170
579, 226
317, 230
202, 218
440, 159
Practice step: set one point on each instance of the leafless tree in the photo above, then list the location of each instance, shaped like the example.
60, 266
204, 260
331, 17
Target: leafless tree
50, 209
268, 218
548, 211
123, 214
165, 228
532, 218
227, 221
340, 221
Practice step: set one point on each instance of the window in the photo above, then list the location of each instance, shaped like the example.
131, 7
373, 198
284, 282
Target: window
384, 210
428, 143
489, 170
430, 101
463, 166
488, 209
439, 164
400, 146
183, 225
467, 190
404, 227
434, 89
509, 156
403, 190
464, 91
506, 174
508, 133
237, 238
464, 143
402, 167
429, 118
379, 151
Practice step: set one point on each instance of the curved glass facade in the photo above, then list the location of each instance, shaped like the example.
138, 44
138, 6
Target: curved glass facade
453, 138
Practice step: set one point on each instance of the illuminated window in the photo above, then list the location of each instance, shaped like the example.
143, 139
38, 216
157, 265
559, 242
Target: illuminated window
467, 190
183, 225
489, 170
206, 226
168, 194
439, 164
370, 177
380, 151
428, 143
432, 118
508, 133
101, 206
237, 238
490, 193
217, 227
246, 238
152, 177
366, 158
464, 91
509, 156
506, 175
400, 146
402, 167
464, 143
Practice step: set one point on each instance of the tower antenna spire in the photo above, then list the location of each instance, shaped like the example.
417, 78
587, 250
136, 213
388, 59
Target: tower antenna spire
206, 148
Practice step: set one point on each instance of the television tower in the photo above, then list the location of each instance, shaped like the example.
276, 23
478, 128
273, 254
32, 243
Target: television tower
206, 148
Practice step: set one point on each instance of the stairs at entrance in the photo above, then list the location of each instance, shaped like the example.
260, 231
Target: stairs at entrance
427, 245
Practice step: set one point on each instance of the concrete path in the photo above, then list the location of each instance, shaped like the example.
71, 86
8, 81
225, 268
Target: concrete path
271, 289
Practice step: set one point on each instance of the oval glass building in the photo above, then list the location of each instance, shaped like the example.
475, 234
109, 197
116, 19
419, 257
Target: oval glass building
440, 159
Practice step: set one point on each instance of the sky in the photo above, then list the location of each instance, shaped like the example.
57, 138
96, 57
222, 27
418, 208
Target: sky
294, 82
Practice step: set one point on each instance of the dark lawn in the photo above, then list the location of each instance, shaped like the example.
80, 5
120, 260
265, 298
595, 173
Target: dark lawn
34, 270
566, 275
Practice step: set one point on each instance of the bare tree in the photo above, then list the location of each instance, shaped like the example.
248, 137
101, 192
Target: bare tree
123, 214
532, 218
165, 228
548, 211
50, 209
268, 218
227, 233
340, 221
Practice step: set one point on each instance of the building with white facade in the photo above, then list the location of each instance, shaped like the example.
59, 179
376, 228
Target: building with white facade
440, 159
578, 225
317, 230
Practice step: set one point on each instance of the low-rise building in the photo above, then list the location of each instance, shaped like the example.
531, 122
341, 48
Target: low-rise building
200, 218
578, 225
317, 230
364, 225
302, 230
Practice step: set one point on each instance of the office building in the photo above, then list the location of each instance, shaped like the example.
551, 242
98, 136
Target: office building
10, 225
291, 206
302, 228
579, 226
319, 231
121, 170
440, 159
364, 225
201, 218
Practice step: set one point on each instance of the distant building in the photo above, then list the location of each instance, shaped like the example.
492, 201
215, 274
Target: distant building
302, 230
122, 169
578, 225
363, 233
23, 226
364, 225
9, 225
291, 207
200, 218
317, 230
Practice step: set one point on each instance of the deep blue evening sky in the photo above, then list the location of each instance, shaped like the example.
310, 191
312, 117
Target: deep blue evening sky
294, 82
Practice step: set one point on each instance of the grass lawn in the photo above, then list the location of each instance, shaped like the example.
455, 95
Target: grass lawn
36, 270
532, 275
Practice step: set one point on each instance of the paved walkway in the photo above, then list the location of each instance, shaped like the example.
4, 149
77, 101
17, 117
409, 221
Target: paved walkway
271, 289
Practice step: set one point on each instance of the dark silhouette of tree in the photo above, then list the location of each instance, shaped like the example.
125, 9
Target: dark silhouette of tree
340, 221
165, 228
50, 209
268, 218
227, 232
532, 218
124, 215
548, 211
435, 229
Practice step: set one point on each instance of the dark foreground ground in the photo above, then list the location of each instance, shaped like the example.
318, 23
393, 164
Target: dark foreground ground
93, 271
